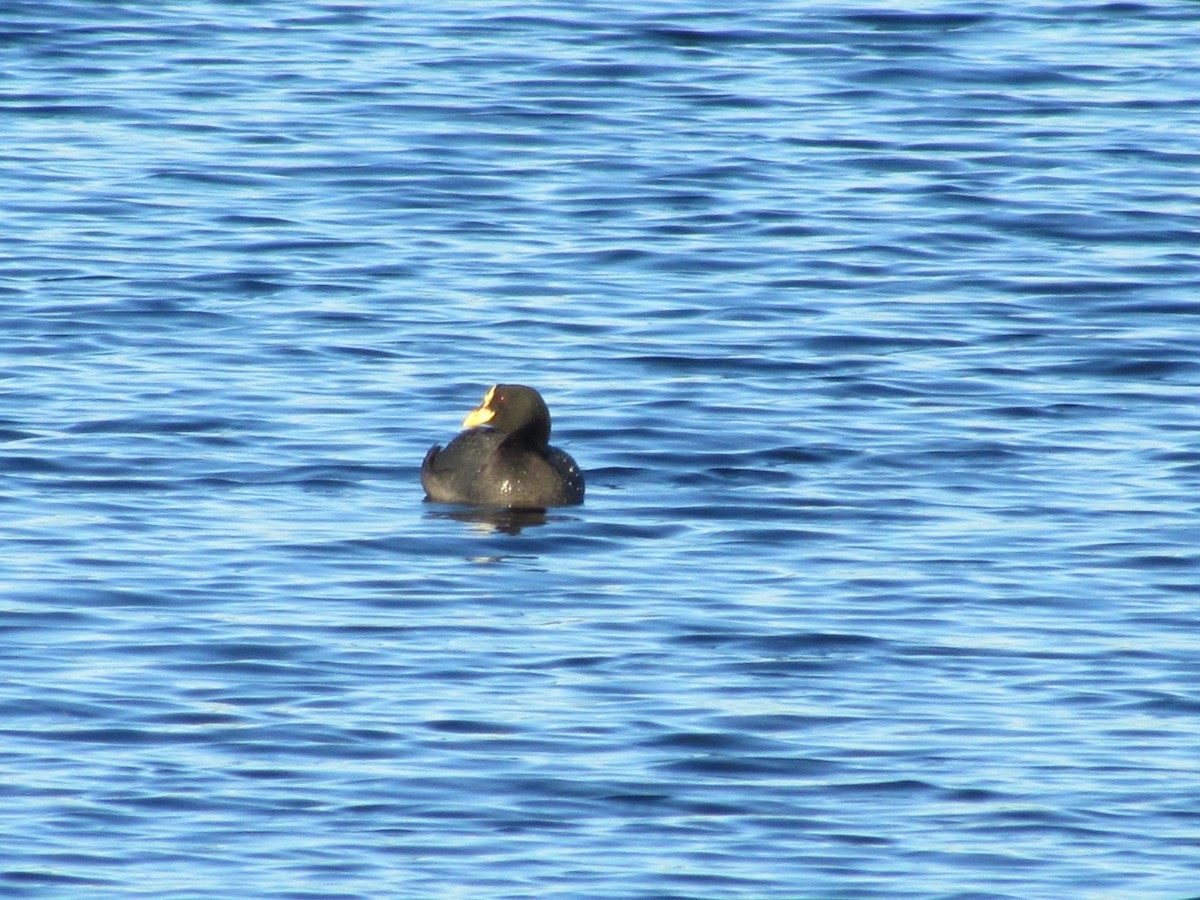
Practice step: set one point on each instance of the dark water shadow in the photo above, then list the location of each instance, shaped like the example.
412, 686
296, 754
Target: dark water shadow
490, 519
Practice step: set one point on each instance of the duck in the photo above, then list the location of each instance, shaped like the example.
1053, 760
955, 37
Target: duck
503, 457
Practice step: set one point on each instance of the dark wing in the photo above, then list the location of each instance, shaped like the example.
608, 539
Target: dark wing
453, 474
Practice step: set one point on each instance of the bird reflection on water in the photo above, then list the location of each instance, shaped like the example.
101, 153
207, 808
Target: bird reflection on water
491, 519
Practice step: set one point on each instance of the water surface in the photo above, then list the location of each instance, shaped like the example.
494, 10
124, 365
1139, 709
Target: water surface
874, 331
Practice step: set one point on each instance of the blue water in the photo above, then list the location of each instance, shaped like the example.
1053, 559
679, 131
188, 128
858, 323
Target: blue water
875, 331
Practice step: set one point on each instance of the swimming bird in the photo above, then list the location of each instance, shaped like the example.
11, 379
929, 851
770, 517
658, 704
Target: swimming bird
503, 457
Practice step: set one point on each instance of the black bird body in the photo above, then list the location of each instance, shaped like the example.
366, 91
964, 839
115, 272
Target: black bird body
503, 457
